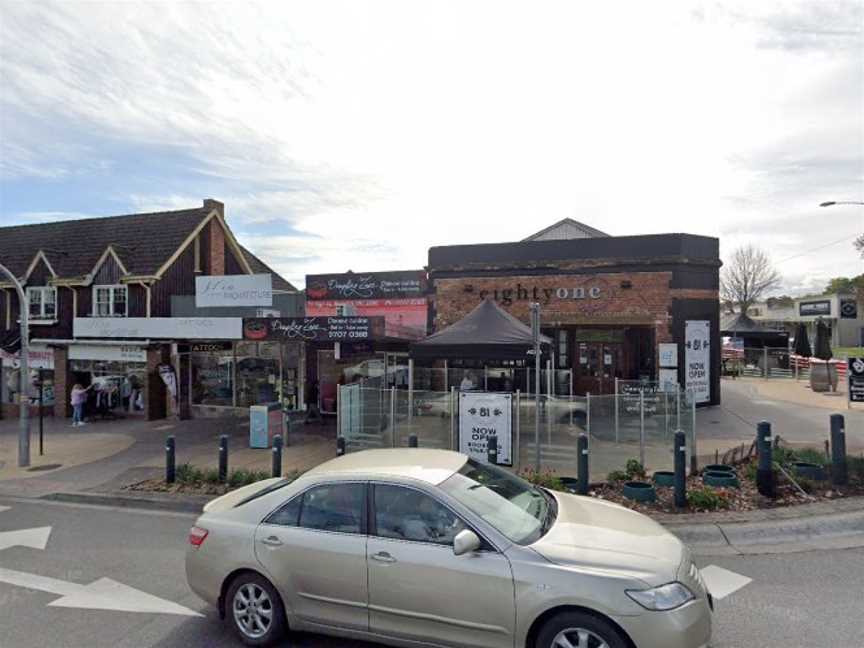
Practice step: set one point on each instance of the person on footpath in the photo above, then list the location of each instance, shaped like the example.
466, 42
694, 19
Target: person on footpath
79, 396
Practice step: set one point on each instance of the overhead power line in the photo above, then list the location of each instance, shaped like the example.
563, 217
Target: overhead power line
820, 247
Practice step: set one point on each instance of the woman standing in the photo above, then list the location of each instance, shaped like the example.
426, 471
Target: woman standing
79, 396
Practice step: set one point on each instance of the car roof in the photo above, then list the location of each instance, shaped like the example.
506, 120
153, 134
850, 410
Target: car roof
422, 464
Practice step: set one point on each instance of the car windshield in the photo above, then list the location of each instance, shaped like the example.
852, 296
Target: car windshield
514, 507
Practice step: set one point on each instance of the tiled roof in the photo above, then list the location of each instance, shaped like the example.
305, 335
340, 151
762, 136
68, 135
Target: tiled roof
143, 242
259, 267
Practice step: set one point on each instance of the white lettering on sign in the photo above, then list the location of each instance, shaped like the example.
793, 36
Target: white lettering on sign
172, 328
234, 290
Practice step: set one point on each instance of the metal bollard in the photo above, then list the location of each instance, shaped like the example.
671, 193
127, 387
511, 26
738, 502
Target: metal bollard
765, 471
340, 446
412, 441
492, 450
170, 460
223, 458
582, 462
680, 469
838, 450
277, 456
287, 440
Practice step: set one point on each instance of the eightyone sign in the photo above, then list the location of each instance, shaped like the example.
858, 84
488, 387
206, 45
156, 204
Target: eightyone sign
234, 290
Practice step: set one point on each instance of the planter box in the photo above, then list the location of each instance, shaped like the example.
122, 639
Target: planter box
820, 379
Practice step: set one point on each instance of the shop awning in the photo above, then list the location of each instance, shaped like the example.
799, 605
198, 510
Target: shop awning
740, 325
486, 333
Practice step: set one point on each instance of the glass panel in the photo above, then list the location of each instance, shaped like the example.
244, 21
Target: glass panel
407, 514
120, 302
34, 296
335, 507
212, 378
288, 514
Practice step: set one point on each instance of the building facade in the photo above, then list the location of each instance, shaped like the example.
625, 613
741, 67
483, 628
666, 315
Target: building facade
99, 296
608, 303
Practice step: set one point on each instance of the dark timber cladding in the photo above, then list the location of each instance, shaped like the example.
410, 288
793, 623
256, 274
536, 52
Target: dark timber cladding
607, 302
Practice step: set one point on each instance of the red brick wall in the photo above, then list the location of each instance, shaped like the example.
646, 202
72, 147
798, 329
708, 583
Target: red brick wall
62, 384
216, 253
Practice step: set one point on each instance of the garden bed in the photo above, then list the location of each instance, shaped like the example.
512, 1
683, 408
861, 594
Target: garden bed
195, 481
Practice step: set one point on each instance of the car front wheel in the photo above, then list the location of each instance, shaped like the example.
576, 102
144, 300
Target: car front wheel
255, 610
578, 630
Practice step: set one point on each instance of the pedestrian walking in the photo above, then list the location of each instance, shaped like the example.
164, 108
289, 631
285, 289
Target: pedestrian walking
313, 413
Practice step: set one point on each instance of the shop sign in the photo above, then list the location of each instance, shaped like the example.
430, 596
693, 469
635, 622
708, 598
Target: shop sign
313, 329
814, 308
669, 380
210, 347
366, 285
855, 376
177, 328
848, 309
592, 291
234, 290
404, 318
38, 357
639, 394
668, 355
481, 416
107, 353
697, 359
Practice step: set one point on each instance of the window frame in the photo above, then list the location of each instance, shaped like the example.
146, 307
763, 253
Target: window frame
41, 317
372, 526
364, 514
112, 288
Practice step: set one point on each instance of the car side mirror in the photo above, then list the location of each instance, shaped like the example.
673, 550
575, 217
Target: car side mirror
466, 541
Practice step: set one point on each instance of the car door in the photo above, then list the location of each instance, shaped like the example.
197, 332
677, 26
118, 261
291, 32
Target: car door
419, 590
314, 548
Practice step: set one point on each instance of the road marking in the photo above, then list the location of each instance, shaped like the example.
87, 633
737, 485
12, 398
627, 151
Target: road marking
34, 538
722, 582
103, 594
4, 508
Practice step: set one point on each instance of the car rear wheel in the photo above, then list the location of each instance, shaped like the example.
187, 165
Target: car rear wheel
578, 630
255, 610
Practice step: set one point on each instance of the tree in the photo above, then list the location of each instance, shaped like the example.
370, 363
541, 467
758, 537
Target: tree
859, 245
844, 285
747, 277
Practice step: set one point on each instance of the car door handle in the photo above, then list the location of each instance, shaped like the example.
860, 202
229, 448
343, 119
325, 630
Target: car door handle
271, 541
384, 557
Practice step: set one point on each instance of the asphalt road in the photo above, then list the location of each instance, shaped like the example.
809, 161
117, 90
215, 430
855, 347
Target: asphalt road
795, 600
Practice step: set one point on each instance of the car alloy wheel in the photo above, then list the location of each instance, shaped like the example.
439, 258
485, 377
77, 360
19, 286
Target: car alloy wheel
578, 638
253, 610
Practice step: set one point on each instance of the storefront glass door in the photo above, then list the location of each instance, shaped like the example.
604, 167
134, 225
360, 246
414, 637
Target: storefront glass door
596, 366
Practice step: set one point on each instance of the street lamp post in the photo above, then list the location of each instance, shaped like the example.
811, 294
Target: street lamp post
23, 404
830, 203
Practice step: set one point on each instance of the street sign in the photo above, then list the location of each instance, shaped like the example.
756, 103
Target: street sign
855, 376
483, 415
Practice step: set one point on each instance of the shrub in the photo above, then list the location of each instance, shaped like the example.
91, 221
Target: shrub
811, 456
807, 485
634, 469
210, 476
186, 474
707, 499
546, 479
855, 468
617, 476
784, 456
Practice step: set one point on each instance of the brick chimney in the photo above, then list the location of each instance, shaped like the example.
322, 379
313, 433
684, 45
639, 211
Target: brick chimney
217, 237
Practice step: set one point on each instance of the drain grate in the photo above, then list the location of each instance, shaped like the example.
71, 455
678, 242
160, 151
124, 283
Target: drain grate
44, 467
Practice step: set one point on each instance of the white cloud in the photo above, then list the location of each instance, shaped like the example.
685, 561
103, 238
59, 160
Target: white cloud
370, 131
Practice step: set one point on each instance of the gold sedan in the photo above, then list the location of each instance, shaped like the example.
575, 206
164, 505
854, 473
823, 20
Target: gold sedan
415, 547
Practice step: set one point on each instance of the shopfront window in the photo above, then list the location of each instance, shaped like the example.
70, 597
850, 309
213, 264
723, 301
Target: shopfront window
118, 387
213, 378
257, 373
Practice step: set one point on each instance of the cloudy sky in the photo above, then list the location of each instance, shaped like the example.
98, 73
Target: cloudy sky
355, 135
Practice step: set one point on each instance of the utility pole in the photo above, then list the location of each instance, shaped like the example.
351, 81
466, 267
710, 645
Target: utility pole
23, 402
535, 335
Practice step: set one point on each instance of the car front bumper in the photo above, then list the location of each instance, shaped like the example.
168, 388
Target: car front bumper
686, 627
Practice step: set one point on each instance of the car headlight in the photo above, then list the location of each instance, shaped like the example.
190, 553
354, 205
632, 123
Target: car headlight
665, 597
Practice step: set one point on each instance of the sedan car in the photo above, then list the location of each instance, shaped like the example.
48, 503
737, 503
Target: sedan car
419, 547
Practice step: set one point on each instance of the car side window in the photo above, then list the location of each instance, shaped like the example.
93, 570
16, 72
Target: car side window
407, 514
288, 514
334, 507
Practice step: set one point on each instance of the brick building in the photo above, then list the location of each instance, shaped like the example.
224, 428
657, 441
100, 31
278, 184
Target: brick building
608, 303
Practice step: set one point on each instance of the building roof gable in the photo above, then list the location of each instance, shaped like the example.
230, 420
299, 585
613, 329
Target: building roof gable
565, 229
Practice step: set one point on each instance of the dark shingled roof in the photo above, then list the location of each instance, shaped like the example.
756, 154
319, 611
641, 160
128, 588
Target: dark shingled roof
142, 241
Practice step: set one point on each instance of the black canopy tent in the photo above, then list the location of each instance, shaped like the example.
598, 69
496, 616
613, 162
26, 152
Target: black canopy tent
486, 333
754, 334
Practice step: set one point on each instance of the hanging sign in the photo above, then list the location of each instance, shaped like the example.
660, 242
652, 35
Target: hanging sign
668, 353
848, 309
234, 290
697, 359
484, 415
855, 376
